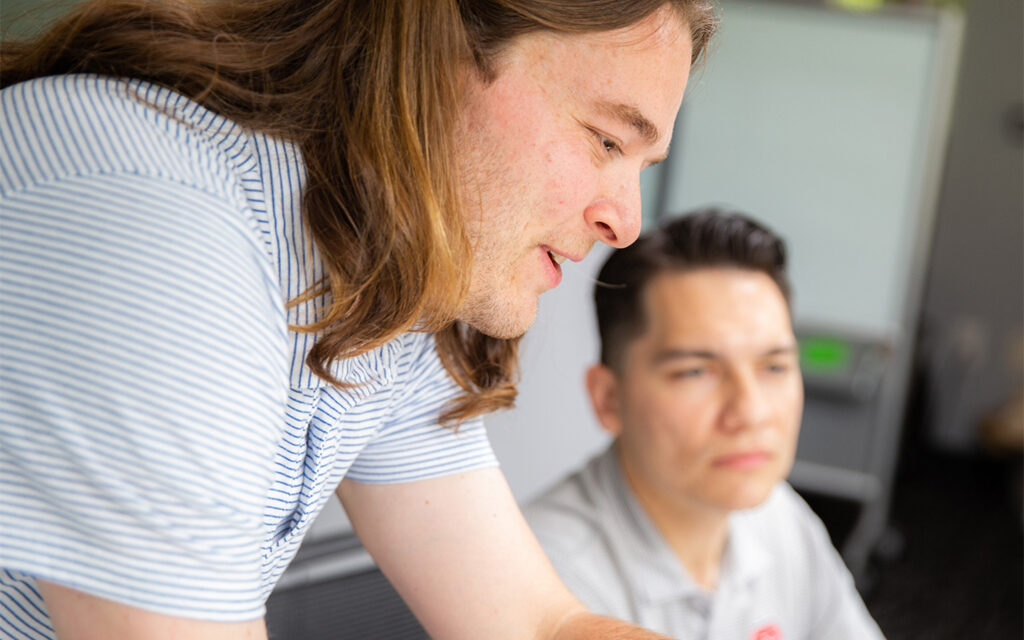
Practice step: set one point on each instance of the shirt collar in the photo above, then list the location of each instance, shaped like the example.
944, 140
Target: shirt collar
369, 371
746, 558
650, 565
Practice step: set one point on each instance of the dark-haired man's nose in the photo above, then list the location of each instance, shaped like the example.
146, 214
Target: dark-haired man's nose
746, 402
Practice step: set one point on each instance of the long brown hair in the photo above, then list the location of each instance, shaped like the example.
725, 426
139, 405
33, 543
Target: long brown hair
369, 91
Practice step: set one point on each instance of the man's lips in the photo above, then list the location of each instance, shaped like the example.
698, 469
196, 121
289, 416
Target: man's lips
553, 259
559, 256
742, 459
552, 268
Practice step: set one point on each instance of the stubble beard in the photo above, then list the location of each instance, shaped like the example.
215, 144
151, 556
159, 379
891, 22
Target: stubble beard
496, 313
496, 304
493, 305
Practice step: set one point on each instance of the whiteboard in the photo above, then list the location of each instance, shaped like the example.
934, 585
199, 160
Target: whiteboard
818, 122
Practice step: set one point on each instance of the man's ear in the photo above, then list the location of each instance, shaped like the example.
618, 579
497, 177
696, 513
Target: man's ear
603, 387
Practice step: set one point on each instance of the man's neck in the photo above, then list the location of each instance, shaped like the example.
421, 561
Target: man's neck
695, 533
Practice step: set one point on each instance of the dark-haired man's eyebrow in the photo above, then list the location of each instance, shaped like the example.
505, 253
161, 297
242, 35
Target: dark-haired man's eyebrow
782, 351
668, 355
632, 117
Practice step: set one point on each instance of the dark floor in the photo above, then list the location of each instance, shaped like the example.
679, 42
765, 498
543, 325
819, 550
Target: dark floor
955, 566
360, 607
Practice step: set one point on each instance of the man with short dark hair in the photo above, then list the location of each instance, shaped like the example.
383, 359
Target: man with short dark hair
685, 523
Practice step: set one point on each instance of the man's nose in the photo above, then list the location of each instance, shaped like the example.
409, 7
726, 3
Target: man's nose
615, 218
746, 404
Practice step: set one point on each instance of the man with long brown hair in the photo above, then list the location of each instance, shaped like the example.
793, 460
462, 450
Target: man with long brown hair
257, 252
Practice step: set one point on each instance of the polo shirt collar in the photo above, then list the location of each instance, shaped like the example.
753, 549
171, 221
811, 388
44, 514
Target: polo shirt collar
652, 568
746, 558
369, 372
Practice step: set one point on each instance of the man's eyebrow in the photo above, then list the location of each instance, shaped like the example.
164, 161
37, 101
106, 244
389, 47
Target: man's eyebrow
780, 351
633, 117
667, 355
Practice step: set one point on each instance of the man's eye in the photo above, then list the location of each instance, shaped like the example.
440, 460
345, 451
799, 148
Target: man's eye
777, 368
693, 372
610, 146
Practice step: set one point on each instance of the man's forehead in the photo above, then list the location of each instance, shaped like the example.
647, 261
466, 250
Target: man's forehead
602, 65
661, 28
716, 309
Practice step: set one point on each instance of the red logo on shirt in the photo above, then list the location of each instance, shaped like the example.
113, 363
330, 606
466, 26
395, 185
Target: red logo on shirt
767, 632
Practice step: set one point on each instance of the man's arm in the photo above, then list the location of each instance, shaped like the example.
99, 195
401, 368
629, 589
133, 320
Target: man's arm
461, 555
587, 626
80, 616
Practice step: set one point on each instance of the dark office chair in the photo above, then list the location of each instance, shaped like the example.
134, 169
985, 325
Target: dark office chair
357, 603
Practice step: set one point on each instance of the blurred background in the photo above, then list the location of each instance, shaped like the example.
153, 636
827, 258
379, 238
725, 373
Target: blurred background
883, 140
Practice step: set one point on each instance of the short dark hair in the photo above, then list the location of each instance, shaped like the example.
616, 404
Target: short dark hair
701, 239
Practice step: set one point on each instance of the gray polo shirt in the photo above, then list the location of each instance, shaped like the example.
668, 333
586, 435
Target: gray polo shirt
780, 579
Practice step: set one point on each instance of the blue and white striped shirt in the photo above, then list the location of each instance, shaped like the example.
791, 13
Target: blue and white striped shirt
162, 442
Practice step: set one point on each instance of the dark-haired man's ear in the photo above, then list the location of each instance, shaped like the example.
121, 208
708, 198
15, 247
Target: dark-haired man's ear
602, 385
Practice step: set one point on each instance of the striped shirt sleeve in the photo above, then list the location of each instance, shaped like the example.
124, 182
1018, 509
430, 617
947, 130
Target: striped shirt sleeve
412, 445
143, 383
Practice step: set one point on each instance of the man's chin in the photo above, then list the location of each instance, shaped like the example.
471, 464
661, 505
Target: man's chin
752, 495
495, 323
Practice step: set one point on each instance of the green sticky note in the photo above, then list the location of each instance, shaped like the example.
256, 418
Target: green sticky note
824, 355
